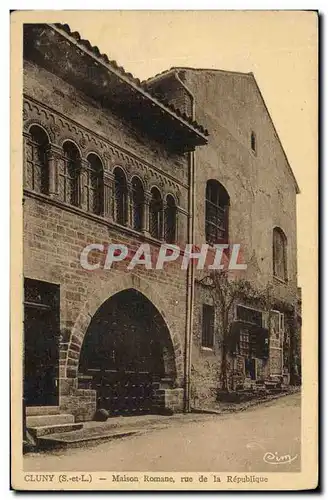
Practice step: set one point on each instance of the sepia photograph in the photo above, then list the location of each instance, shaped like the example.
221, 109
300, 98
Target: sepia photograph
164, 194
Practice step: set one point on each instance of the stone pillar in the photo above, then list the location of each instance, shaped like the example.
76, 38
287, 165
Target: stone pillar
163, 221
54, 154
108, 195
145, 219
177, 218
128, 205
167, 399
83, 186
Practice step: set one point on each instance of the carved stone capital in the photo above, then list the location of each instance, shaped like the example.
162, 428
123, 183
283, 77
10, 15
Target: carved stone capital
54, 152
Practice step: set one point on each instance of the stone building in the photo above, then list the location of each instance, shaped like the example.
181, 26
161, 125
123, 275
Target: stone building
243, 176
189, 156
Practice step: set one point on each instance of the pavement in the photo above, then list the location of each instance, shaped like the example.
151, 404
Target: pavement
264, 438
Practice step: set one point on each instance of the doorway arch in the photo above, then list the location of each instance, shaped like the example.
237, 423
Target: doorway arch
127, 350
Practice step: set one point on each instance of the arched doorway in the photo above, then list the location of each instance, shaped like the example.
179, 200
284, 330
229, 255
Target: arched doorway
126, 353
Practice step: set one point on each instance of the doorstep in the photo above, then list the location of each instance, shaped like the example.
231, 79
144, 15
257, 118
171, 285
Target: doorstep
94, 432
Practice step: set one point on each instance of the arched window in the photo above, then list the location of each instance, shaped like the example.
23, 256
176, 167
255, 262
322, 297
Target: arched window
279, 248
156, 214
170, 219
37, 174
138, 199
120, 197
95, 185
216, 212
72, 173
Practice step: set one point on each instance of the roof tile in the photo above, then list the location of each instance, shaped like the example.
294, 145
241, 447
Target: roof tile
142, 85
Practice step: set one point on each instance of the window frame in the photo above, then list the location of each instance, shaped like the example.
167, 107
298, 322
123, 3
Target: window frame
170, 220
277, 231
208, 327
72, 175
120, 211
159, 224
97, 191
217, 223
35, 164
137, 205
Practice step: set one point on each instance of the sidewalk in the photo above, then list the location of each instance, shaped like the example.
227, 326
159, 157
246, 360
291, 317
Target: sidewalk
125, 426
224, 408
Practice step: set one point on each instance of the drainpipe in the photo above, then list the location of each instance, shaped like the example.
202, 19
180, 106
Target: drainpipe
191, 266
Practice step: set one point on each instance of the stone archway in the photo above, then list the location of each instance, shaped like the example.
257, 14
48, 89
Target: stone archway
127, 353
171, 351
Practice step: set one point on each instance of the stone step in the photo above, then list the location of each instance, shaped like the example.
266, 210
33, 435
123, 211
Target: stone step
32, 411
72, 440
46, 430
47, 420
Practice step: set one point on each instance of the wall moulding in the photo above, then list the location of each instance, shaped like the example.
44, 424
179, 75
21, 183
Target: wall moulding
60, 129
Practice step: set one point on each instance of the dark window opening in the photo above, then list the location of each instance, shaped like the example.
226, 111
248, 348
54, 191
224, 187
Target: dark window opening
216, 213
156, 214
170, 219
37, 174
120, 197
138, 200
253, 142
71, 174
208, 326
95, 185
279, 254
248, 315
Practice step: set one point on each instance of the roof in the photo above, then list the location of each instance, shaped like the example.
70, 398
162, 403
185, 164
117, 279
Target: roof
173, 69
171, 72
135, 82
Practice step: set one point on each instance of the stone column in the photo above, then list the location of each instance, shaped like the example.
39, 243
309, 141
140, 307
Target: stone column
177, 218
145, 219
108, 195
54, 154
83, 187
128, 205
162, 221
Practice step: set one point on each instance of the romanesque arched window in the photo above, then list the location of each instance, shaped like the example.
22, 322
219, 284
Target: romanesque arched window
170, 219
71, 174
279, 248
37, 168
138, 199
95, 185
216, 212
156, 214
120, 196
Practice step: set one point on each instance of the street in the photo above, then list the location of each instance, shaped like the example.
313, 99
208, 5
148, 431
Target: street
263, 439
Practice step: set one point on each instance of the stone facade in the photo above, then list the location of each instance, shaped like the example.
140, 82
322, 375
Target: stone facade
260, 185
262, 191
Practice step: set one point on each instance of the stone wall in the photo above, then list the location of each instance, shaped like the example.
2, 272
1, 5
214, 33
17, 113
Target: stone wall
262, 194
55, 233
